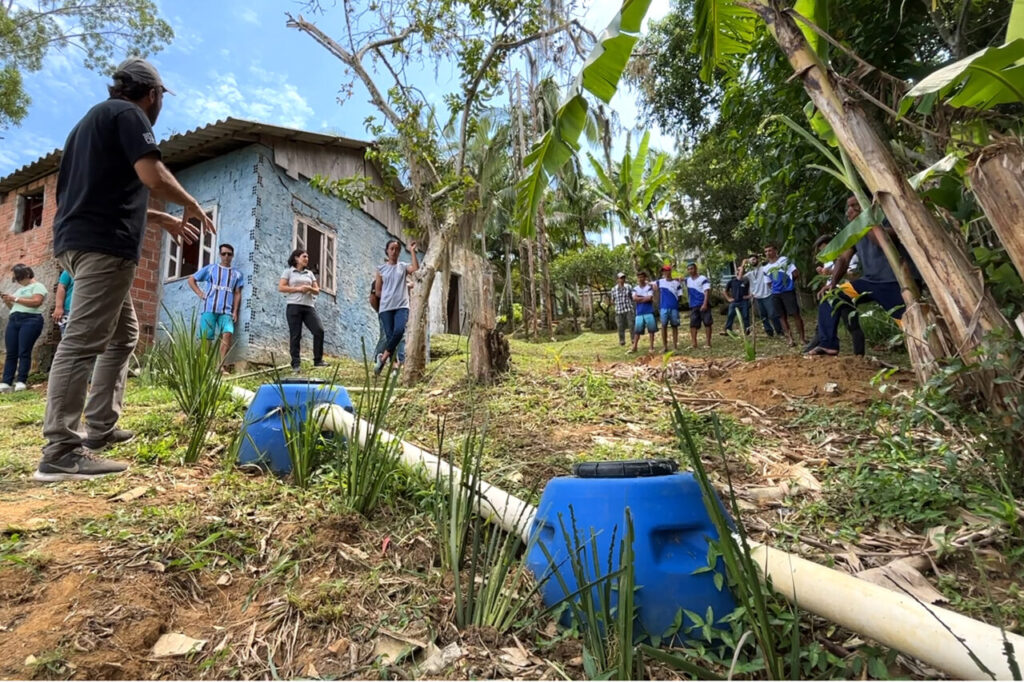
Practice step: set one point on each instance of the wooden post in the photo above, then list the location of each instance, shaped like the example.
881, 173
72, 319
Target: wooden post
997, 179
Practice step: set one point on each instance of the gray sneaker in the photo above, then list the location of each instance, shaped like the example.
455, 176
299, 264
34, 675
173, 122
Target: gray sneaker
115, 437
76, 465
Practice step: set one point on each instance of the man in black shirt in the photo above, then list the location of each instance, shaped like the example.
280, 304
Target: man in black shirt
737, 292
109, 166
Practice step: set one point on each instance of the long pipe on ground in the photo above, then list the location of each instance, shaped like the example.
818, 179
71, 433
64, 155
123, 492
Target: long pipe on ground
507, 510
939, 637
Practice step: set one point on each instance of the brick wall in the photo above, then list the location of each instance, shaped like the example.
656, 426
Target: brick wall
35, 248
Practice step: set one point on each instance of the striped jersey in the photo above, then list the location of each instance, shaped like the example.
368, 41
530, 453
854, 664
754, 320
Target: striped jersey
780, 272
220, 295
669, 291
697, 287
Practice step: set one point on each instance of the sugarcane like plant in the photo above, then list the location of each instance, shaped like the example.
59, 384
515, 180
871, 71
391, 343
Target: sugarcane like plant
191, 367
492, 584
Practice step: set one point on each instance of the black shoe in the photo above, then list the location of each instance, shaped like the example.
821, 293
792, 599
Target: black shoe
321, 363
76, 465
115, 437
296, 368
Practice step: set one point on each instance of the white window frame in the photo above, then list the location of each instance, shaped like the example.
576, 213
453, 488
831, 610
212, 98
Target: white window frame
170, 267
327, 267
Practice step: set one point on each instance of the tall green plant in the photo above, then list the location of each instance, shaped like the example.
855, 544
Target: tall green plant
366, 461
493, 586
605, 624
752, 596
191, 368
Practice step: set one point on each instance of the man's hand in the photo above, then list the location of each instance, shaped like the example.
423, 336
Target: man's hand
195, 212
412, 245
234, 316
8, 299
178, 228
824, 290
58, 313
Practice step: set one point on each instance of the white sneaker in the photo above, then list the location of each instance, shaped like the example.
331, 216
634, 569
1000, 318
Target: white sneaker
20, 386
5, 388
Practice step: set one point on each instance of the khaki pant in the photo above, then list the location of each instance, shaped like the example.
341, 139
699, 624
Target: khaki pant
98, 341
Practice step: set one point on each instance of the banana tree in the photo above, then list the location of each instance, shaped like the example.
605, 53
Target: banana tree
631, 189
725, 33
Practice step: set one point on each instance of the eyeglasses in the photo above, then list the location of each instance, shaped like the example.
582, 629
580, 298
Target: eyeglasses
227, 253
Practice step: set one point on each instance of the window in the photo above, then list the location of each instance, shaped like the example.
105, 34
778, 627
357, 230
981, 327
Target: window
318, 242
183, 260
30, 210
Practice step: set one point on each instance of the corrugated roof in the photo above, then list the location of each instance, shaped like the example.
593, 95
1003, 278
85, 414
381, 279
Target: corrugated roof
185, 149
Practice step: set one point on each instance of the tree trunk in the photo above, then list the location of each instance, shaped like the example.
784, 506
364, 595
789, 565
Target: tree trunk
532, 296
967, 309
545, 277
997, 179
488, 349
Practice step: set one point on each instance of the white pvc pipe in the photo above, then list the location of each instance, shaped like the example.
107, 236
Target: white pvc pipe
939, 637
507, 510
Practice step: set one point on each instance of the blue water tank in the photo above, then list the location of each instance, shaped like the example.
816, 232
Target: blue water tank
263, 439
671, 532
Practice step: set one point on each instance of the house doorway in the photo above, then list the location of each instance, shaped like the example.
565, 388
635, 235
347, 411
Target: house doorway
454, 316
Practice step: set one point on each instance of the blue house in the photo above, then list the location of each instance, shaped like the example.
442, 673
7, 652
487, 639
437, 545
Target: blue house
253, 179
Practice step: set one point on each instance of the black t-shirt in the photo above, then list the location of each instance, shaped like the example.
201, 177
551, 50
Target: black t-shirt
101, 203
738, 289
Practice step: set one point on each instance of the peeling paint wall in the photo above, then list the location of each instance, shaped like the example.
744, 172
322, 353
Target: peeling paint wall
229, 184
346, 315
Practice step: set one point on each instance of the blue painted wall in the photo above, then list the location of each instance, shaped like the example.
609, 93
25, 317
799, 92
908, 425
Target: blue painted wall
229, 183
257, 205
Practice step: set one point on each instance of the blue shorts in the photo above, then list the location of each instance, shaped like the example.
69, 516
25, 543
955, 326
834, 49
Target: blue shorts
670, 316
212, 325
645, 321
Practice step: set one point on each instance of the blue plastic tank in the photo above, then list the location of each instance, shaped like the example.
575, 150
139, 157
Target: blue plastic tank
263, 439
671, 532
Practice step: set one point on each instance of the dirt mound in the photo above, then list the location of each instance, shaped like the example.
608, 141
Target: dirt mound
776, 381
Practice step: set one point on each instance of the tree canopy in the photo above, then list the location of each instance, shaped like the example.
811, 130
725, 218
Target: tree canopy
101, 32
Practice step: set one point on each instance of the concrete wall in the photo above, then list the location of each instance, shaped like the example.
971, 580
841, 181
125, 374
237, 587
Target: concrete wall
230, 184
347, 316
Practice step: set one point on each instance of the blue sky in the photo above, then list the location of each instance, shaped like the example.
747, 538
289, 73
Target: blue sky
232, 58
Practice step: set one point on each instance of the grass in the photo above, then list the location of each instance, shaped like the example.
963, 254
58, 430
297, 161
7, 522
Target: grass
311, 571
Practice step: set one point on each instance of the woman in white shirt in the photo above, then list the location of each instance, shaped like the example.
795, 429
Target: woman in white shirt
301, 286
24, 326
389, 283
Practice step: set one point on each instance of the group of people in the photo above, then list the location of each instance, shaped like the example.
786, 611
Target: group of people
635, 306
860, 275
110, 168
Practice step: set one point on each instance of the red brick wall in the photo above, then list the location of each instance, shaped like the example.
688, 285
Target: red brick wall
35, 248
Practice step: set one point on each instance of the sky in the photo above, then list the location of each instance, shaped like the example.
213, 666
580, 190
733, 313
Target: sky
236, 58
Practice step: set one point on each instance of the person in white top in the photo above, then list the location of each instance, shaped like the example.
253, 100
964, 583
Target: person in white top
391, 289
761, 290
301, 288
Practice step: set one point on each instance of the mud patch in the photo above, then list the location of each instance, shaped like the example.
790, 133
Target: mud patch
826, 380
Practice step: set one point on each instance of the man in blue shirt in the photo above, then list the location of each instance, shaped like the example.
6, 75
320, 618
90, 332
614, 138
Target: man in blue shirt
783, 276
669, 291
877, 283
699, 288
221, 299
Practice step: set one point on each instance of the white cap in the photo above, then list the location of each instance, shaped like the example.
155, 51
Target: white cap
621, 275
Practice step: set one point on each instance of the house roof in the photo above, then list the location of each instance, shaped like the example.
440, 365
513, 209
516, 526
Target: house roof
184, 149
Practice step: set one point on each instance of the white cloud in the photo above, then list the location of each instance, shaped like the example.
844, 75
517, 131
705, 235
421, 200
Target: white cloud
186, 40
23, 148
249, 16
270, 100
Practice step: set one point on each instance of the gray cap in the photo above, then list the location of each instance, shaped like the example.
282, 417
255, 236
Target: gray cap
141, 71
621, 275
